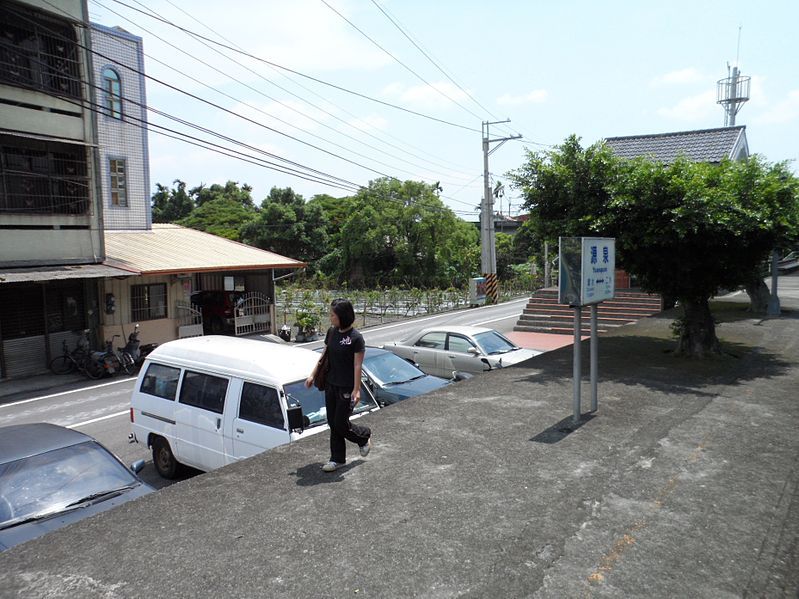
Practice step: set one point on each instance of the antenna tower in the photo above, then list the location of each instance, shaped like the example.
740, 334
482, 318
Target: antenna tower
733, 91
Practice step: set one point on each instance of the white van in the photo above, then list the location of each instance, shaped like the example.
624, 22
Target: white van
209, 401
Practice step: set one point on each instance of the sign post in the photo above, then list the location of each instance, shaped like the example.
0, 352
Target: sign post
586, 277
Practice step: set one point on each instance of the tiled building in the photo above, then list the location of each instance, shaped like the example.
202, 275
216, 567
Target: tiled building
121, 128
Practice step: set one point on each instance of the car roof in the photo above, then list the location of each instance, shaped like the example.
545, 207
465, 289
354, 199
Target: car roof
20, 441
460, 329
234, 355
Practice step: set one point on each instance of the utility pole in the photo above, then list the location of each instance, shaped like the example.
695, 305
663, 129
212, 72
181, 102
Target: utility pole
488, 254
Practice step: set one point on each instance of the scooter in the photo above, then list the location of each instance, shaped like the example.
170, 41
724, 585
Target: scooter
134, 348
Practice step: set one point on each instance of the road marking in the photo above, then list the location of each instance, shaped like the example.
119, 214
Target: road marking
479, 324
93, 420
24, 401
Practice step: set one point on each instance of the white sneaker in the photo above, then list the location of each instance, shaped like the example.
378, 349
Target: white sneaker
331, 466
366, 448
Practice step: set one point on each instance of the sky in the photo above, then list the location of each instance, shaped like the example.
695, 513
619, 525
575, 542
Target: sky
361, 89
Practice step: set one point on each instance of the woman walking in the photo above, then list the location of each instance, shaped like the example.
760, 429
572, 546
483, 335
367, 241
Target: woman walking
345, 348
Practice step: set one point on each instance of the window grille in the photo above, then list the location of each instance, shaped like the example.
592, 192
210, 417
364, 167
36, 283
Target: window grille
119, 192
42, 177
113, 93
38, 51
148, 302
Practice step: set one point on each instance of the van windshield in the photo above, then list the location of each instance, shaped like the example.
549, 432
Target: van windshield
313, 401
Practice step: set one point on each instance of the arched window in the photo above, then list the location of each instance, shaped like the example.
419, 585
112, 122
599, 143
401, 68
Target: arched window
113, 93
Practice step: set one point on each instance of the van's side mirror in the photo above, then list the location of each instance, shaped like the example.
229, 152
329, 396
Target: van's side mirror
296, 419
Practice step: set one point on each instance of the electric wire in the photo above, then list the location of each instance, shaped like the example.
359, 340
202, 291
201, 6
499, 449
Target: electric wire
195, 141
226, 110
402, 64
403, 31
257, 109
298, 73
307, 89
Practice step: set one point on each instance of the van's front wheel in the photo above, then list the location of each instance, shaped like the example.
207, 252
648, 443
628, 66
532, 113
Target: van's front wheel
163, 458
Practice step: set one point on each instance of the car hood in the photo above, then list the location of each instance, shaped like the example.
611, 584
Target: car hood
30, 530
515, 356
418, 386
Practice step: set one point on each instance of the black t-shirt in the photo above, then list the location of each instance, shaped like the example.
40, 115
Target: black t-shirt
341, 350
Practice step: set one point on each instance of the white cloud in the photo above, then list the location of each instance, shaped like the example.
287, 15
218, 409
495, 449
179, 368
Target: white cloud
679, 77
440, 94
306, 36
785, 111
534, 97
693, 108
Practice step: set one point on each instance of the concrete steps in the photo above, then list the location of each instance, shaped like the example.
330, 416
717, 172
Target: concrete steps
543, 313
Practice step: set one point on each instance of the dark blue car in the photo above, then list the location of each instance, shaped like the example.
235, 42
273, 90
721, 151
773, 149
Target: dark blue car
51, 476
393, 379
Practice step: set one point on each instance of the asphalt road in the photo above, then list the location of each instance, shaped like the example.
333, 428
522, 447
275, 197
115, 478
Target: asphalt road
102, 409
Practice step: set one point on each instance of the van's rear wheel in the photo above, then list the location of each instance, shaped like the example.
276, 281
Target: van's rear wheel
163, 458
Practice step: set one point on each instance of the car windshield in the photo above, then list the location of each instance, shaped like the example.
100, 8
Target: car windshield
388, 368
313, 401
50, 482
493, 343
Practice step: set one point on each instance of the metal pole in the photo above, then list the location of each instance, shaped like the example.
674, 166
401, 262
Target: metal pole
486, 217
546, 264
578, 326
594, 357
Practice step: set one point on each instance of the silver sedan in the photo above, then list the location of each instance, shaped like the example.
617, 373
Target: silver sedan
441, 350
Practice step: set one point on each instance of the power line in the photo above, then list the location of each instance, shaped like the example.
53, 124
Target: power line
315, 106
226, 110
298, 73
257, 109
402, 64
429, 58
205, 144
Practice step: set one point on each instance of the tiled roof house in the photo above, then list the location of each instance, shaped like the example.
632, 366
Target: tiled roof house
705, 145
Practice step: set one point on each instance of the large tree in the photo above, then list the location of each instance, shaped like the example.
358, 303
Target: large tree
686, 230
223, 217
230, 191
171, 204
402, 233
289, 226
691, 229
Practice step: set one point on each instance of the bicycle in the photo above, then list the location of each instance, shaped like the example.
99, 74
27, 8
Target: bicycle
79, 359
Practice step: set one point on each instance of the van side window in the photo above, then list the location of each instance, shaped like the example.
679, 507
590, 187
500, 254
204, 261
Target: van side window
161, 381
203, 391
261, 405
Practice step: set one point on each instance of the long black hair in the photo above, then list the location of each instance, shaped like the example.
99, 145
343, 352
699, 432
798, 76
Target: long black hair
345, 312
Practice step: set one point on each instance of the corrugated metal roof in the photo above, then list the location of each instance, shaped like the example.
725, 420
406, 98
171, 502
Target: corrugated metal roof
174, 249
706, 145
72, 271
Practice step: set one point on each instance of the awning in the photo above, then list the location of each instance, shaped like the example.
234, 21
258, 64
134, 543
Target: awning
52, 273
172, 249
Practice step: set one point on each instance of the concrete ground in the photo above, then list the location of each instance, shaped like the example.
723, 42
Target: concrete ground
684, 483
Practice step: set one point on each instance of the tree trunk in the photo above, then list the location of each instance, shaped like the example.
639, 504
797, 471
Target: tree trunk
698, 336
758, 293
